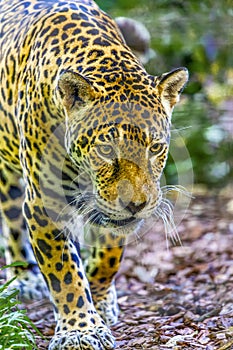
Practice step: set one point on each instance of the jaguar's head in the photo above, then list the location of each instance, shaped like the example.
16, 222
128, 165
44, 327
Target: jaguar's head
119, 138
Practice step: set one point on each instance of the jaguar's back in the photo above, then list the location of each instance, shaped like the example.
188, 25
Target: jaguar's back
38, 41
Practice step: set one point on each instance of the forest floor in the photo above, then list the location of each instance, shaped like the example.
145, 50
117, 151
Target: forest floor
179, 297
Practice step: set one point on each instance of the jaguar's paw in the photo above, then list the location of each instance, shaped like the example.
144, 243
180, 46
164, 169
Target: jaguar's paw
99, 338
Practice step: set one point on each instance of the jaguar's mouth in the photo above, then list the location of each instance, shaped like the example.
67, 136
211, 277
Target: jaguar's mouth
97, 217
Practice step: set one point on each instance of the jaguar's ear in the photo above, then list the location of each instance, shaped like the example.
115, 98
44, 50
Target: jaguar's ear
170, 86
75, 90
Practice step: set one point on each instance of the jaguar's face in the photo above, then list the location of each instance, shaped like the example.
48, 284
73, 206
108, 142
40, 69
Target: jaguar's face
120, 168
119, 148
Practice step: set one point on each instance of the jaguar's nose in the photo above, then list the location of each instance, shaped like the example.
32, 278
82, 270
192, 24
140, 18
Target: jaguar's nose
132, 207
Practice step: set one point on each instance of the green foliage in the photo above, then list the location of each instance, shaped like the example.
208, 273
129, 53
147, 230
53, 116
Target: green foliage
1, 247
199, 36
16, 329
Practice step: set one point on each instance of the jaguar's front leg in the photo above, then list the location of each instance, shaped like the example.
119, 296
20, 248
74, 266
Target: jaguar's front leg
101, 269
79, 326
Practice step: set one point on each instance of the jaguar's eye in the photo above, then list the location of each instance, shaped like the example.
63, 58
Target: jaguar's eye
157, 149
106, 151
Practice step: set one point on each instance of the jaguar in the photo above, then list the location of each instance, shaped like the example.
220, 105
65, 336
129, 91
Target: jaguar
84, 135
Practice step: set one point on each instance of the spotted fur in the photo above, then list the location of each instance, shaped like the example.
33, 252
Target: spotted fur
84, 133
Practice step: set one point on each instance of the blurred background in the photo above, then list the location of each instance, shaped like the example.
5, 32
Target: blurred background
199, 36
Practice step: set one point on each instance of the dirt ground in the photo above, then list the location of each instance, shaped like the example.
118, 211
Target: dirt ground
176, 298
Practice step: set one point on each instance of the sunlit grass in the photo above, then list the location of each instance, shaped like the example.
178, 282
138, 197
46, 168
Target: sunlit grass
16, 329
